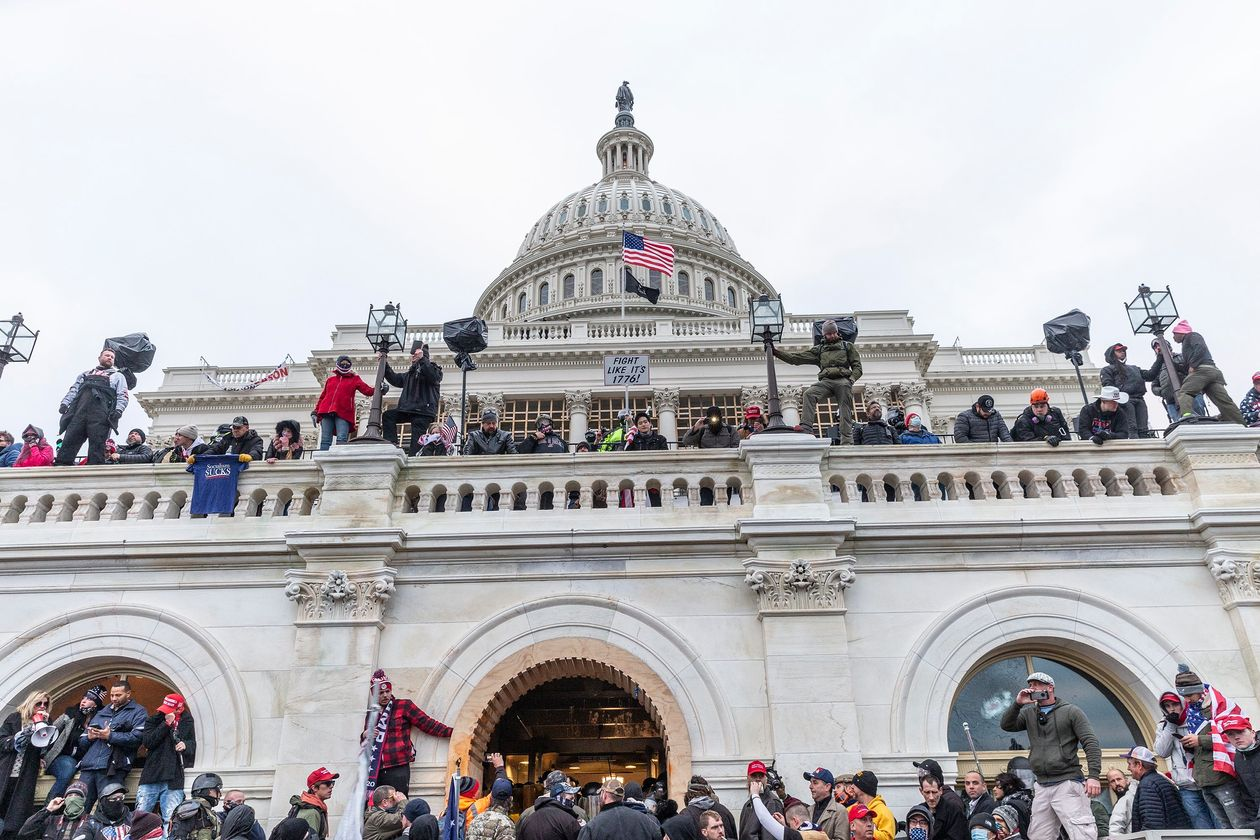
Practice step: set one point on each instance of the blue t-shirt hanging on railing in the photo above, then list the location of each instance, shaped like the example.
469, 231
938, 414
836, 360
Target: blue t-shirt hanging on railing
214, 482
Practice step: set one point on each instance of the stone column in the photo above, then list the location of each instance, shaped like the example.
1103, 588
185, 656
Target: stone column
880, 392
665, 404
759, 396
791, 398
798, 576
916, 397
578, 404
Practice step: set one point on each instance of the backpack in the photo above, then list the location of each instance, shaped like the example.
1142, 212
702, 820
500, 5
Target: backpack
193, 820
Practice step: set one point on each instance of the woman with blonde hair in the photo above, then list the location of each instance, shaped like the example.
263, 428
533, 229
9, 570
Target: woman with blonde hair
19, 762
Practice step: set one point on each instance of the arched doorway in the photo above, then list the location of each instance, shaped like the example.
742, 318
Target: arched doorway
578, 715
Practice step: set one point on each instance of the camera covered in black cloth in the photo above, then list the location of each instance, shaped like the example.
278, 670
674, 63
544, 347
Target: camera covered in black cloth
466, 335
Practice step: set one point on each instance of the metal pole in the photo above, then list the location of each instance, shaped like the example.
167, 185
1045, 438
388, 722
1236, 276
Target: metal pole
463, 409
775, 420
1074, 358
1166, 354
974, 753
373, 433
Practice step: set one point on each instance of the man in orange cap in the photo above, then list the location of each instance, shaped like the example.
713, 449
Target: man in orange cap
1041, 421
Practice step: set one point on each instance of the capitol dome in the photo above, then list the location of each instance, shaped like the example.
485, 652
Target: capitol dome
569, 262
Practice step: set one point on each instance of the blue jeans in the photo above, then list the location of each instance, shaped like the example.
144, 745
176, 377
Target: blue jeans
62, 769
328, 424
95, 780
159, 793
1196, 809
1174, 413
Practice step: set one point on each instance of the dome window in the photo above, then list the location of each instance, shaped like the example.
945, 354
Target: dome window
667, 207
521, 303
704, 220
568, 287
562, 216
504, 313
544, 293
601, 206
597, 281
708, 289
730, 296
623, 203
686, 213
684, 284
646, 203
654, 278
546, 224
581, 209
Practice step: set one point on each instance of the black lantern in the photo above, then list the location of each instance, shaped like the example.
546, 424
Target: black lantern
19, 341
765, 314
386, 330
1153, 312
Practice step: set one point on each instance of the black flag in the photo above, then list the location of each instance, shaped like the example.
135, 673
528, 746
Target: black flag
639, 289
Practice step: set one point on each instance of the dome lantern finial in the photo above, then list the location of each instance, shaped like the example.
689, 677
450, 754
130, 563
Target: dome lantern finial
625, 104
625, 150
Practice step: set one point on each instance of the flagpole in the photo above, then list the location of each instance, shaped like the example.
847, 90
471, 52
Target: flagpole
625, 405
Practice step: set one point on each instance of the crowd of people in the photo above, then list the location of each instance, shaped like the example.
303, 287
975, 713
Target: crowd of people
94, 403
1212, 780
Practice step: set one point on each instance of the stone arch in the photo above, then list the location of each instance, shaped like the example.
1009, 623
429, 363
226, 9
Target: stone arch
637, 646
1137, 656
57, 650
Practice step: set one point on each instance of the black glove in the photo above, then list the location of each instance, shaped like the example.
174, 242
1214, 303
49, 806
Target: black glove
61, 409
1053, 440
1098, 439
384, 388
114, 417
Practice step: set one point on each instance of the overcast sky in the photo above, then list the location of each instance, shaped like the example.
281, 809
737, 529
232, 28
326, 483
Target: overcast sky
234, 179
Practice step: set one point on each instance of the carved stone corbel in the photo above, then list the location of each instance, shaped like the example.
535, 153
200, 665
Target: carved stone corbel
340, 597
803, 587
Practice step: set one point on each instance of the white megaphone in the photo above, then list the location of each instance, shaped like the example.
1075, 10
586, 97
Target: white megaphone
43, 733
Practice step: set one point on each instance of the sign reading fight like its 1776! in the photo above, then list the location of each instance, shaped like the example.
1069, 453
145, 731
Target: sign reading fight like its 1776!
626, 371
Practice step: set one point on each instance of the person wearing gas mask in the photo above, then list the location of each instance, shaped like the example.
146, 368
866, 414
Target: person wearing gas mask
334, 411
1041, 421
418, 400
196, 819
712, 432
1056, 732
170, 737
555, 817
19, 760
92, 407
61, 759
544, 439
62, 818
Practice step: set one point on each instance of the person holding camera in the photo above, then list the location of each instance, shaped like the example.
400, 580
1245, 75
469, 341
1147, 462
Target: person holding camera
712, 431
1041, 421
418, 401
1102, 420
1056, 731
545, 439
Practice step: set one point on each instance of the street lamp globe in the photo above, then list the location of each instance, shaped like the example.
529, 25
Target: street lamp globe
766, 317
1152, 311
387, 328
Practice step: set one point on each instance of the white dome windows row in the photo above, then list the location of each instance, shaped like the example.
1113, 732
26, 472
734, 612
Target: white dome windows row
547, 290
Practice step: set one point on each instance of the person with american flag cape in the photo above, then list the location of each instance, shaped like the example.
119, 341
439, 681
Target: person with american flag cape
392, 750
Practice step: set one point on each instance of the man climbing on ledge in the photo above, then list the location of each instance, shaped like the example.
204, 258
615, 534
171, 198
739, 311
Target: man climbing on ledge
839, 366
394, 751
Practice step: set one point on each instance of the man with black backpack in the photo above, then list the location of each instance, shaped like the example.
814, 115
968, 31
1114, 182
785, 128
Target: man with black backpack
195, 819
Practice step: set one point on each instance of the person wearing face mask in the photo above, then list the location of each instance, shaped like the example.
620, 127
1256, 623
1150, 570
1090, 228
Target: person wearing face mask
242, 824
233, 799
35, 451
287, 444
982, 827
334, 411
170, 737
712, 432
196, 819
544, 439
418, 400
61, 758
916, 432
111, 819
1041, 421
384, 819
919, 822
60, 819
1007, 818
554, 818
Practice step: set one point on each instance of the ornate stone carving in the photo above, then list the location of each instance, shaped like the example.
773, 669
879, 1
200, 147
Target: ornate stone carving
665, 399
579, 400
942, 425
755, 395
801, 587
791, 396
1237, 575
340, 597
914, 393
490, 399
880, 392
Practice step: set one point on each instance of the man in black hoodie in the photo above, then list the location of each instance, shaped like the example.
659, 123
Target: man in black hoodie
1132, 380
137, 450
1102, 420
418, 401
242, 441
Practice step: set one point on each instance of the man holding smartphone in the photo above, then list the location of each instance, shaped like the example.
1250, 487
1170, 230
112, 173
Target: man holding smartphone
110, 743
1056, 731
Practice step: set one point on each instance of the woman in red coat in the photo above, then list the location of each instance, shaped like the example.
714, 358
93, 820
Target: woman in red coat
335, 409
35, 450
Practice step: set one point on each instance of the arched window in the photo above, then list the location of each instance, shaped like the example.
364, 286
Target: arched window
546, 224
686, 212
521, 302
708, 289
581, 210
667, 207
569, 287
991, 689
563, 216
654, 278
597, 281
730, 296
684, 284
646, 203
601, 206
704, 220
544, 294
503, 316
623, 203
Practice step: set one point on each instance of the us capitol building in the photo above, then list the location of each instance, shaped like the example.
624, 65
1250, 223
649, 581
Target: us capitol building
801, 616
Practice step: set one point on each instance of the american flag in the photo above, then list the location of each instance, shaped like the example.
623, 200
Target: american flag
635, 250
448, 431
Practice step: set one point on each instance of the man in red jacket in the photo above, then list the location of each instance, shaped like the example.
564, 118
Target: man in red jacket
393, 751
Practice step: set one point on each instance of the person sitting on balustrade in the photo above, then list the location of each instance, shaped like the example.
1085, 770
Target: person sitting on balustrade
1040, 421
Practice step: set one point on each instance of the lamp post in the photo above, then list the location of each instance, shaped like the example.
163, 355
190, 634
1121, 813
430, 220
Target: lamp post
1154, 312
386, 330
19, 341
765, 314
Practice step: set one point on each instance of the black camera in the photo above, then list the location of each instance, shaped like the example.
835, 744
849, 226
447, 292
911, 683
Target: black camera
774, 781
591, 437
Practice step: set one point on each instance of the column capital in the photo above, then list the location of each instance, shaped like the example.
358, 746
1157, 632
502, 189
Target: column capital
665, 399
340, 597
915, 392
880, 392
757, 395
791, 396
577, 400
804, 587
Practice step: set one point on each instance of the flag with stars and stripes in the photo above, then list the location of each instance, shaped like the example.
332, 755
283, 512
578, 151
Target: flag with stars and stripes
636, 250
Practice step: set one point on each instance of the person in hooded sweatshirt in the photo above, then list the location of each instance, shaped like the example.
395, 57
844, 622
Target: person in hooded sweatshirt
701, 797
287, 444
554, 818
135, 451
1132, 380
421, 386
1102, 420
239, 824
61, 819
36, 452
422, 825
334, 410
1041, 421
